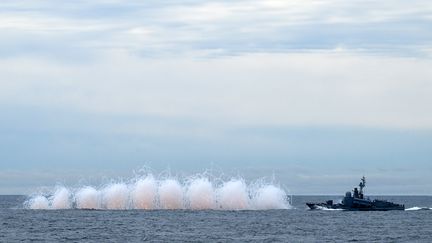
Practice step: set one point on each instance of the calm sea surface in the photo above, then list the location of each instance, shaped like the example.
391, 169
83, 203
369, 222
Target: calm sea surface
293, 225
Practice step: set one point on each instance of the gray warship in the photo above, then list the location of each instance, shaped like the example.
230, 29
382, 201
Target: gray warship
357, 202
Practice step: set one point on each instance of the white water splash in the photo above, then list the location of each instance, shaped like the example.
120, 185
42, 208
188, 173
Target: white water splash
87, 198
270, 197
144, 193
233, 195
329, 209
116, 196
38, 202
147, 192
61, 199
200, 194
170, 194
417, 208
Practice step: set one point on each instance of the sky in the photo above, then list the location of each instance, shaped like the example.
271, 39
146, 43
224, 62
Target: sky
313, 94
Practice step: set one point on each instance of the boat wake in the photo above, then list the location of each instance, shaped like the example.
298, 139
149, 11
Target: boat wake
417, 208
147, 192
327, 209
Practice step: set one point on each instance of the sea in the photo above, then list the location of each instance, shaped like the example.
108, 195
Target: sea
297, 224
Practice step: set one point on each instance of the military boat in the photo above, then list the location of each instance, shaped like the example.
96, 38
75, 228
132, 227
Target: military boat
357, 202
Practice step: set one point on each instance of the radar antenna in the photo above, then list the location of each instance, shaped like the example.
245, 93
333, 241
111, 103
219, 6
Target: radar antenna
362, 185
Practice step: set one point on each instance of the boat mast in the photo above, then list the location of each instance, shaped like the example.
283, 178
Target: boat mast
362, 185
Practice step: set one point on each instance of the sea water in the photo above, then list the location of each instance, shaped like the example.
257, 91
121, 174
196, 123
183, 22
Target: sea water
201, 208
296, 224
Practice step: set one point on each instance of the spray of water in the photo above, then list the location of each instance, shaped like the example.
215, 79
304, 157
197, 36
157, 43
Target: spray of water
87, 198
233, 195
417, 208
147, 192
116, 196
144, 193
37, 202
170, 194
61, 199
200, 194
270, 197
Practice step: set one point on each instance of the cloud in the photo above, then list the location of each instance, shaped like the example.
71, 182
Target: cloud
227, 27
273, 89
106, 81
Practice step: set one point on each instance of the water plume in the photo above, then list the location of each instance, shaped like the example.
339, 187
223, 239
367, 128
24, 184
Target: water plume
38, 202
170, 194
233, 195
87, 198
61, 199
197, 192
200, 194
115, 196
144, 193
270, 197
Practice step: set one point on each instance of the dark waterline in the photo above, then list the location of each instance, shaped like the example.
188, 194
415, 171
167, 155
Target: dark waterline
293, 225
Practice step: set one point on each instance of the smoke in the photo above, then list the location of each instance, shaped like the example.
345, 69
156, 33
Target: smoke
147, 192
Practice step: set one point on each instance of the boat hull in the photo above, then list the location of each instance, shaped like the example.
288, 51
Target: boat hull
365, 205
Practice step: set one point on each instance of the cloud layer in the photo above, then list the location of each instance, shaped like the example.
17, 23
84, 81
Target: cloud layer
258, 85
211, 28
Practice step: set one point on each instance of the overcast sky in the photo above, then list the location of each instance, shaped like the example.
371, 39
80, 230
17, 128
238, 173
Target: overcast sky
314, 93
